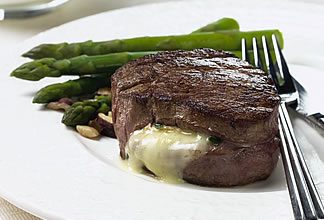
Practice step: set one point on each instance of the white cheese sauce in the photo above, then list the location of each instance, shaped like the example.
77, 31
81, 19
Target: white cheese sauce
165, 151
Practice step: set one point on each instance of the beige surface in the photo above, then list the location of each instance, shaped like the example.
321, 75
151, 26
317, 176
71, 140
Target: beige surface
10, 212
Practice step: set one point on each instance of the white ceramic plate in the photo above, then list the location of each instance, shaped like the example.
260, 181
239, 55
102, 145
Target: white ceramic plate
52, 172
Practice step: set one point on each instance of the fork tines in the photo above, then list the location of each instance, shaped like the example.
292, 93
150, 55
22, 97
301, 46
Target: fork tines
304, 197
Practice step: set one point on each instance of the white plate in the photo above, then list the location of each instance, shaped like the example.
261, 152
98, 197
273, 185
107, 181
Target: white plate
52, 172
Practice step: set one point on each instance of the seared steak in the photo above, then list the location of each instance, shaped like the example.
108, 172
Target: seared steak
232, 165
208, 91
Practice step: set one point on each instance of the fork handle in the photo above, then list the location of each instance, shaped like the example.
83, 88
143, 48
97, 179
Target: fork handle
296, 153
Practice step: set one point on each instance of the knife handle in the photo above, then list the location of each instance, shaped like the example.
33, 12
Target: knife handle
317, 119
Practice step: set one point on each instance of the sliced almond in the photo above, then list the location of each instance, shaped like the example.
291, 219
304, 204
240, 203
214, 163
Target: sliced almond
58, 106
105, 117
104, 91
87, 131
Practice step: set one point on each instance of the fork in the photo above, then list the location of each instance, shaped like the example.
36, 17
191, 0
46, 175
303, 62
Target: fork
304, 197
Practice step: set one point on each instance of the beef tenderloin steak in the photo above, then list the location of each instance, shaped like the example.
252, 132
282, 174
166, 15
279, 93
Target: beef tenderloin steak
208, 91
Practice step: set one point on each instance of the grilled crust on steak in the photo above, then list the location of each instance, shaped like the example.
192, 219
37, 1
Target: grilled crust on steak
205, 90
230, 165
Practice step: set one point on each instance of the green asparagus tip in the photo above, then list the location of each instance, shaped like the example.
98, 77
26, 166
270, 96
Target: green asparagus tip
36, 70
70, 88
220, 25
40, 98
81, 113
45, 50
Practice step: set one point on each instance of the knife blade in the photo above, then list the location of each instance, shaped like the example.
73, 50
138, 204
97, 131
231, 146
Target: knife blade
307, 106
2, 14
29, 10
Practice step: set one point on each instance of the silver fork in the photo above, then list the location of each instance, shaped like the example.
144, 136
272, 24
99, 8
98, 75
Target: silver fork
304, 197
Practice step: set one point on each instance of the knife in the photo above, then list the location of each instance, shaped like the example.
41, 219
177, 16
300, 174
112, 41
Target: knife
306, 106
25, 10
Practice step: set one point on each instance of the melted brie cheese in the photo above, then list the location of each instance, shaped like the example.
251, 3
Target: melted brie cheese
165, 151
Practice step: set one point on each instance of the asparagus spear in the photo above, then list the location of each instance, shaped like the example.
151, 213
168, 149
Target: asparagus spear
226, 40
219, 25
86, 85
72, 50
80, 113
81, 65
83, 85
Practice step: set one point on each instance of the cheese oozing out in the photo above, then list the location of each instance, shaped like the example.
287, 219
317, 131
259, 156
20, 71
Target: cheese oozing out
165, 151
